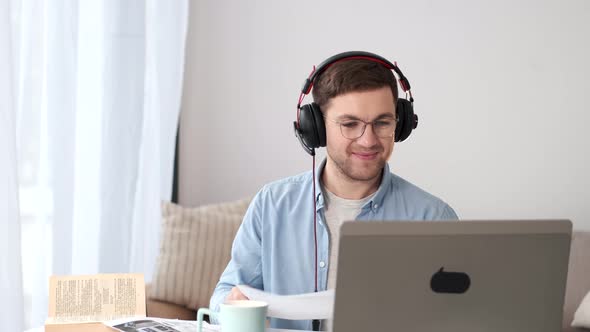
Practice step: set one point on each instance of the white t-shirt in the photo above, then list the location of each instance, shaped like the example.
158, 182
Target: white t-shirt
337, 211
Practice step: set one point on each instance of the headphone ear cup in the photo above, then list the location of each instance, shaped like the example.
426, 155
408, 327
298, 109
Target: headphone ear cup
406, 120
319, 124
307, 126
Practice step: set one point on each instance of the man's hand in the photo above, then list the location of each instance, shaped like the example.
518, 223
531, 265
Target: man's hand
235, 294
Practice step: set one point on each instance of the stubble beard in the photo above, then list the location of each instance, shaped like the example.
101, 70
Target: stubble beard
345, 168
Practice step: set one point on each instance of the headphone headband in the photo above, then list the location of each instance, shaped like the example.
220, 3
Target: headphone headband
308, 84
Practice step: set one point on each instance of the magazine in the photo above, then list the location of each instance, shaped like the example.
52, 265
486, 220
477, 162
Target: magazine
152, 324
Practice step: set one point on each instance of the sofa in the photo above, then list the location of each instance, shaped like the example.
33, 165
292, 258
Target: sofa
228, 216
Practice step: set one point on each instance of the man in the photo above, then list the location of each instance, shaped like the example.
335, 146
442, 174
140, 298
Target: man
275, 247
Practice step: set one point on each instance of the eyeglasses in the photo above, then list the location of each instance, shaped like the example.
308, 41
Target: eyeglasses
354, 128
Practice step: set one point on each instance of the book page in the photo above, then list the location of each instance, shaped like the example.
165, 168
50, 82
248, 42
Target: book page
95, 298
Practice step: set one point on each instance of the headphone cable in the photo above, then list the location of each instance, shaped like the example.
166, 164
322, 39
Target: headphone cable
316, 322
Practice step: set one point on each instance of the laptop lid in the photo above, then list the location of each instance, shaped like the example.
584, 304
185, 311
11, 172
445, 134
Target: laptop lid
452, 276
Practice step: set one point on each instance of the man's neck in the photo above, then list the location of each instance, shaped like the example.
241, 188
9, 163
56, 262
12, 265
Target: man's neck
343, 186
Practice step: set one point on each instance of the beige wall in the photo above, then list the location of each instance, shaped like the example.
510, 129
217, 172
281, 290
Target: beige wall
500, 88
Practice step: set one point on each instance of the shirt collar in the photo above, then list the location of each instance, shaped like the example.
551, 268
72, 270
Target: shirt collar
319, 196
377, 199
384, 188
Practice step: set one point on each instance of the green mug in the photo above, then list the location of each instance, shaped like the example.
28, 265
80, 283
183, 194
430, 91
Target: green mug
237, 316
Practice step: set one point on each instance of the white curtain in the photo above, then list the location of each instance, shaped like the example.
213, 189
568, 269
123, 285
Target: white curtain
10, 263
89, 116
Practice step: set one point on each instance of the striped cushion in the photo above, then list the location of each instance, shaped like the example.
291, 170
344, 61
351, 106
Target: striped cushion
195, 247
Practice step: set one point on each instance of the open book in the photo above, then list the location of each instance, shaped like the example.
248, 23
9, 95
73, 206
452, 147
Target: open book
83, 303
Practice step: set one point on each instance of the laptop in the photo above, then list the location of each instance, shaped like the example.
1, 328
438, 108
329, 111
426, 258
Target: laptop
452, 276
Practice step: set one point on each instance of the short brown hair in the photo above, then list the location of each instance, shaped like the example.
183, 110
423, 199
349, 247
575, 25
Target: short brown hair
352, 75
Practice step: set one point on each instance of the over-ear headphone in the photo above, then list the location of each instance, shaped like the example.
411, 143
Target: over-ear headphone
310, 128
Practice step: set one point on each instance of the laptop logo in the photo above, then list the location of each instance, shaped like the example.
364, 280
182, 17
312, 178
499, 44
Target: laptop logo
450, 282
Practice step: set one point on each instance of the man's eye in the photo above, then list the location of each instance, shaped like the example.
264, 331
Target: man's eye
383, 123
350, 124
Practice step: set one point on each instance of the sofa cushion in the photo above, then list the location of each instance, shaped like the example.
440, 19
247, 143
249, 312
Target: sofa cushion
195, 247
578, 279
156, 308
582, 315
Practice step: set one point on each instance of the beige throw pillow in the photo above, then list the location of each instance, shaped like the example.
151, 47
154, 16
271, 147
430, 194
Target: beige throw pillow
582, 315
195, 247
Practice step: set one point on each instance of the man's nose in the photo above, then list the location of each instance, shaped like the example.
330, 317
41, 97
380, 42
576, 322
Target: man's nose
368, 138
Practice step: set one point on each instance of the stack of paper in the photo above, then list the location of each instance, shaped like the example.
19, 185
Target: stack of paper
318, 305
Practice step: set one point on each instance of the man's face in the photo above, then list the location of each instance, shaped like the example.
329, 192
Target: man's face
363, 158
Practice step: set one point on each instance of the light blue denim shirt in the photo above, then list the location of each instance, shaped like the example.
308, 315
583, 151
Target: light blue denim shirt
274, 247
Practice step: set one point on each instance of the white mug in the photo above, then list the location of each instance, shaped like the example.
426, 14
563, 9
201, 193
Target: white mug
237, 316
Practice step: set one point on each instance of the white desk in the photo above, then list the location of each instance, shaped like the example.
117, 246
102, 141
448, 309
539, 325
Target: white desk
42, 329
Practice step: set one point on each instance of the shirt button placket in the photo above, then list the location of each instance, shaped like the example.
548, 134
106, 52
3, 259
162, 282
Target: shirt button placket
374, 208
